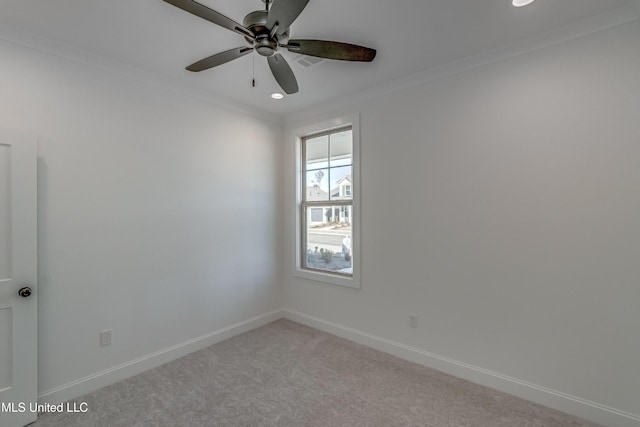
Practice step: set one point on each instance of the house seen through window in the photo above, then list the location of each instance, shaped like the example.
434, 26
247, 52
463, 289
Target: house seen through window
327, 202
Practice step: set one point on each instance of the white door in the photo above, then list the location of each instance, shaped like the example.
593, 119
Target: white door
18, 275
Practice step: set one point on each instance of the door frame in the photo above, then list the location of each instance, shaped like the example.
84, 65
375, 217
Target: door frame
23, 387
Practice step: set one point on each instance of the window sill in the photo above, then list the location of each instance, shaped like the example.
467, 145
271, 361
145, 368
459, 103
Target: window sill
332, 279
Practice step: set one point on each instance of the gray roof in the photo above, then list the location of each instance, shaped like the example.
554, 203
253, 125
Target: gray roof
316, 194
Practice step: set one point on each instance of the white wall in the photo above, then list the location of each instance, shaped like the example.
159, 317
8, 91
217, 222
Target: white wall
518, 246
516, 235
158, 213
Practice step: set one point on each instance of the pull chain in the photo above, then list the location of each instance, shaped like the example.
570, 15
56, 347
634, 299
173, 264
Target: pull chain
253, 79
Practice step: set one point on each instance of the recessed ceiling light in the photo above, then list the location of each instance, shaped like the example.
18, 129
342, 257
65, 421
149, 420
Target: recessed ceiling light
277, 95
520, 3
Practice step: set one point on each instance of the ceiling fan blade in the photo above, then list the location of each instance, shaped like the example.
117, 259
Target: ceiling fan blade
210, 15
283, 13
219, 59
283, 74
332, 50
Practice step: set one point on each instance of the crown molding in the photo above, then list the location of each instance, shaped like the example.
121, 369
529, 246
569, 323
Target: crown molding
618, 16
613, 18
65, 51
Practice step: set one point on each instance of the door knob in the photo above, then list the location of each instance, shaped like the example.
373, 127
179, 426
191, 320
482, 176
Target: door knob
24, 292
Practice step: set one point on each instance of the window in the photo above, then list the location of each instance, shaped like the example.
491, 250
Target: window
327, 203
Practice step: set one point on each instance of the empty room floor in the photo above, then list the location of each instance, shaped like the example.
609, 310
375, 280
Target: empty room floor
286, 374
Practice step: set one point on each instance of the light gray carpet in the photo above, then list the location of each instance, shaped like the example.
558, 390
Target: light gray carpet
286, 374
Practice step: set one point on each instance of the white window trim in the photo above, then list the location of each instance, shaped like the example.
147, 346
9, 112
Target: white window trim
353, 281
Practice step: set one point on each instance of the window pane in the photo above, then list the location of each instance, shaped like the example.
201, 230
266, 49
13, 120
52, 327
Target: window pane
341, 149
317, 152
341, 185
317, 186
328, 237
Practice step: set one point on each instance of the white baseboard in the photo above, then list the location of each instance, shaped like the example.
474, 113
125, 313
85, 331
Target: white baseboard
120, 372
579, 407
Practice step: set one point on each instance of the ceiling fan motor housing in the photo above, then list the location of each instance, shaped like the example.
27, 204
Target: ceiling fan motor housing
267, 31
264, 43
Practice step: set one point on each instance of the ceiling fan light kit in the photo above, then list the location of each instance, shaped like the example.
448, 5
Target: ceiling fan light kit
266, 31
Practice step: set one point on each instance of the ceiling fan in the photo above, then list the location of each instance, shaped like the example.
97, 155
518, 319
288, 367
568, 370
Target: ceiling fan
266, 31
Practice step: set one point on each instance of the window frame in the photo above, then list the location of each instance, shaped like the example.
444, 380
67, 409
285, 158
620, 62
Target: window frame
330, 126
307, 207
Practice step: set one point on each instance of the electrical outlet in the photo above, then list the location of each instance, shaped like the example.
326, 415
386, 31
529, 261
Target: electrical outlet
413, 320
105, 337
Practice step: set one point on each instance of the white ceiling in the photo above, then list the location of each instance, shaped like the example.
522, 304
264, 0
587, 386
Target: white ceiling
410, 35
